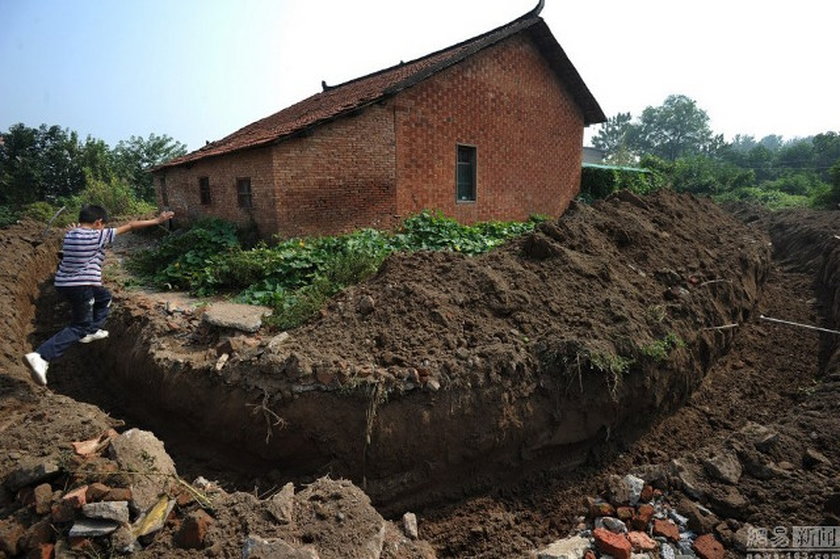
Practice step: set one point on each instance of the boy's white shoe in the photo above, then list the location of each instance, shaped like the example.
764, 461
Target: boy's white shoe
98, 335
37, 367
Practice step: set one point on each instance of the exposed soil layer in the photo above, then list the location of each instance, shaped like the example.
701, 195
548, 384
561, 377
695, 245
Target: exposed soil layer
446, 372
489, 394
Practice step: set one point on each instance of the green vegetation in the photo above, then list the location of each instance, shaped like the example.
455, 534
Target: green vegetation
296, 276
675, 143
661, 349
45, 168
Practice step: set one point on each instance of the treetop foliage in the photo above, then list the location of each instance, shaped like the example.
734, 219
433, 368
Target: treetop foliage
675, 141
49, 163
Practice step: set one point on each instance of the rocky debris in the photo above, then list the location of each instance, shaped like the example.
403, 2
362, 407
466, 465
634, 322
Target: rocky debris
409, 520
365, 305
812, 458
574, 547
259, 548
700, 519
92, 528
282, 504
116, 511
32, 471
233, 316
724, 466
143, 454
659, 525
626, 490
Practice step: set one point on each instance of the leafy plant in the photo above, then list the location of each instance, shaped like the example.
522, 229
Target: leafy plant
659, 350
296, 276
7, 216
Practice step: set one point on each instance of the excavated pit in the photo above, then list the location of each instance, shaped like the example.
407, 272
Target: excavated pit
502, 338
444, 374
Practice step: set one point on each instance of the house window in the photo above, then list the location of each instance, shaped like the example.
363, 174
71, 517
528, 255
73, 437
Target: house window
164, 195
243, 192
465, 174
204, 190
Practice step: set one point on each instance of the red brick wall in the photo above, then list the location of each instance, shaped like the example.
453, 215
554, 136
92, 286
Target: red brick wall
183, 191
526, 128
340, 177
398, 157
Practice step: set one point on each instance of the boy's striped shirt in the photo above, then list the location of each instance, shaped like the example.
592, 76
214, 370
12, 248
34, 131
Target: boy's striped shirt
84, 252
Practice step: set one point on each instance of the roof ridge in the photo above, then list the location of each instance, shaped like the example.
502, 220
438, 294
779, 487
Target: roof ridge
476, 39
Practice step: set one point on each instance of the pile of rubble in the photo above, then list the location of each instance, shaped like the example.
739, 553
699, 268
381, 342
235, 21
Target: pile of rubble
120, 494
697, 506
639, 519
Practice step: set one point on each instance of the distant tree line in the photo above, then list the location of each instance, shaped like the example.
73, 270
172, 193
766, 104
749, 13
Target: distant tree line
675, 142
45, 168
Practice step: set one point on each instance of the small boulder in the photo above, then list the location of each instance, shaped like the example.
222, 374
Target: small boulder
281, 505
574, 547
409, 520
724, 466
142, 452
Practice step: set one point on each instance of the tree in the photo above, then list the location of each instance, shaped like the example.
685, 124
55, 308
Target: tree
39, 164
134, 157
677, 128
614, 134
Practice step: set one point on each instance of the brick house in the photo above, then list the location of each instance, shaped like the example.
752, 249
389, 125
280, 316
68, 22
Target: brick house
490, 128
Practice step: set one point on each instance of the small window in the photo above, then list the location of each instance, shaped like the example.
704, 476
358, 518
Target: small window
164, 195
243, 192
204, 190
465, 174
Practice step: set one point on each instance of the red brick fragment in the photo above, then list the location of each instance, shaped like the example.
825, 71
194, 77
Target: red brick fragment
707, 547
666, 529
612, 544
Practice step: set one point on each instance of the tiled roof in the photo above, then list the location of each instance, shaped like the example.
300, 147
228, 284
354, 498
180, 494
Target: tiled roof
339, 100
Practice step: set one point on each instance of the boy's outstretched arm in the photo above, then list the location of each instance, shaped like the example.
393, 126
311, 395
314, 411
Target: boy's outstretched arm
141, 224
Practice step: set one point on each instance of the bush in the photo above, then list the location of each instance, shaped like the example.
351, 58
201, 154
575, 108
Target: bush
773, 199
597, 183
115, 196
39, 211
7, 216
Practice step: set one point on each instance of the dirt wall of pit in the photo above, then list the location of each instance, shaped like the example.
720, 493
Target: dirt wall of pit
446, 371
809, 242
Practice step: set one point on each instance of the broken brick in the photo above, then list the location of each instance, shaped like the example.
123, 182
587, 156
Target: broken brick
193, 531
42, 551
612, 544
76, 498
666, 529
641, 541
707, 547
118, 494
11, 537
39, 533
624, 513
643, 516
43, 498
96, 492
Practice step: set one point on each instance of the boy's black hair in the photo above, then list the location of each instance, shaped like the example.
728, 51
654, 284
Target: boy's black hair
90, 213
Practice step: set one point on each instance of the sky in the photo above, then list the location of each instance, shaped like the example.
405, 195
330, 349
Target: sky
197, 70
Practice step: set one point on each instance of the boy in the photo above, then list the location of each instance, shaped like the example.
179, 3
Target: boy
79, 281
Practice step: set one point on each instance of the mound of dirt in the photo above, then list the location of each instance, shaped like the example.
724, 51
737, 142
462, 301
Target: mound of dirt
445, 371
